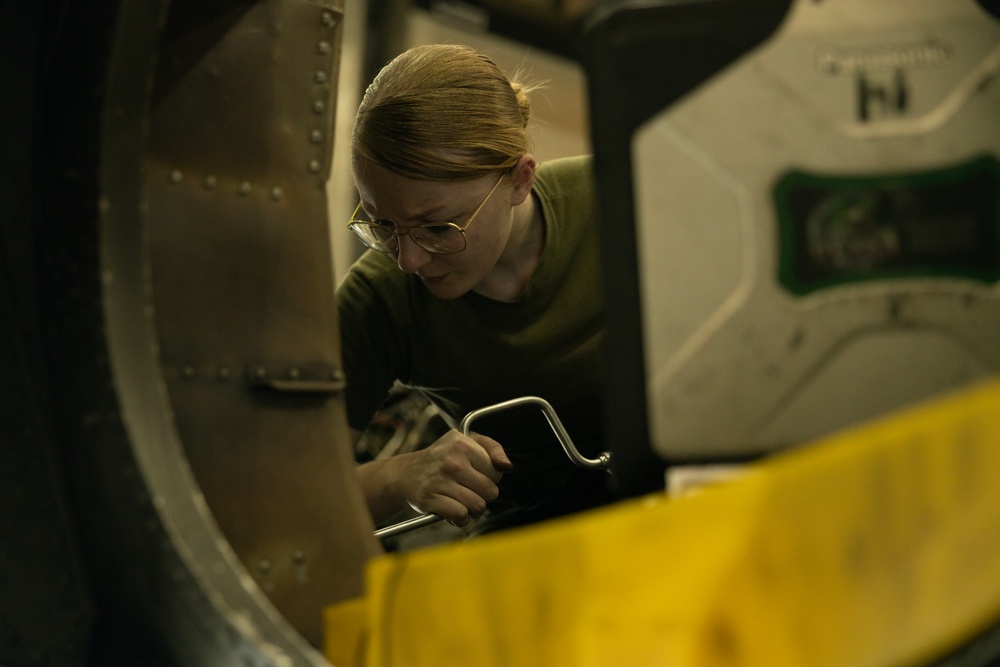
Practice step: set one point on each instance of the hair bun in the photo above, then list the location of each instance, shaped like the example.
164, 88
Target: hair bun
523, 101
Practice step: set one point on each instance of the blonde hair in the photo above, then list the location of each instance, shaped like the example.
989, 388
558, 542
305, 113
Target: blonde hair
442, 112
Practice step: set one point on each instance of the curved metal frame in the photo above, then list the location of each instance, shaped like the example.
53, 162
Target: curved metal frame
207, 579
168, 580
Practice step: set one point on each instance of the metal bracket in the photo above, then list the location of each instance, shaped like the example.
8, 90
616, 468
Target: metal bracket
309, 378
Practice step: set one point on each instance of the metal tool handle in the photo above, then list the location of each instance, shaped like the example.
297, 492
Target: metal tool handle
602, 462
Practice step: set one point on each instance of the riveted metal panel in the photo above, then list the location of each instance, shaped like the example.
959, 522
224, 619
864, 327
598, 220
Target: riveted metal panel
242, 293
92, 250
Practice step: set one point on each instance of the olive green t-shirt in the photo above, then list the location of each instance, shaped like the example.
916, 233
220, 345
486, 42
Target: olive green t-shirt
474, 351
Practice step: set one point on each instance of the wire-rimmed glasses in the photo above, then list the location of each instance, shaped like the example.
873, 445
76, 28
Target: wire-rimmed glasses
442, 238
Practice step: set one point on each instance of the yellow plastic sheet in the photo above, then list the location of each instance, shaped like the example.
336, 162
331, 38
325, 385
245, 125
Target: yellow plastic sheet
878, 546
345, 636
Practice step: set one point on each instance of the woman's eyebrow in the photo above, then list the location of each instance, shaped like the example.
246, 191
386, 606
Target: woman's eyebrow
430, 214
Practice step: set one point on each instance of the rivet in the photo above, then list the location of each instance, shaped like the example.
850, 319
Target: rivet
321, 77
264, 566
328, 19
319, 106
244, 188
323, 48
316, 136
187, 371
176, 176
277, 194
298, 556
294, 374
210, 182
260, 372
225, 373
315, 166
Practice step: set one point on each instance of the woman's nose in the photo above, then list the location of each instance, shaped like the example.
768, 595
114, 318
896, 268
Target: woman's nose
411, 256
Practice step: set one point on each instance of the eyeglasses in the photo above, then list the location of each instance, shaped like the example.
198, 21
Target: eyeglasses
442, 238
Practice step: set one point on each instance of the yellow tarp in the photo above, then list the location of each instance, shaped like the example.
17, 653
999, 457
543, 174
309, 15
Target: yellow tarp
878, 546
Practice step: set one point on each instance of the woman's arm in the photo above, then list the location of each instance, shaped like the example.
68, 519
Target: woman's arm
454, 478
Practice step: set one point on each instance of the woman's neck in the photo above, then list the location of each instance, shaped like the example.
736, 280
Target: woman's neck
521, 255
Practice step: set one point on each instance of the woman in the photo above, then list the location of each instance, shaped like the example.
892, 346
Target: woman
482, 285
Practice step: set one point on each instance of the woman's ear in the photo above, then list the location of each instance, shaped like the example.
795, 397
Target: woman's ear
522, 175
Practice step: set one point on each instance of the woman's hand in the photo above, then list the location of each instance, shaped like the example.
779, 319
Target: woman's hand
455, 478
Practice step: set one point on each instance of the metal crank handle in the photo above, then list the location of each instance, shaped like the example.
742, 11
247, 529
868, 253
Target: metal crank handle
603, 459
418, 521
602, 462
